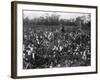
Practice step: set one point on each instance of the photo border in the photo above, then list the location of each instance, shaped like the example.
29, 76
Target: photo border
14, 37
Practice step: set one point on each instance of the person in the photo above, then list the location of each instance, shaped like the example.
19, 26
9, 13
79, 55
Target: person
62, 29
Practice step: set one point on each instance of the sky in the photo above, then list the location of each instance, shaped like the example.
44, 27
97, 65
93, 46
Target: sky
63, 15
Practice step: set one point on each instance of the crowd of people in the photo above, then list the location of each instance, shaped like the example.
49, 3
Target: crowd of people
59, 48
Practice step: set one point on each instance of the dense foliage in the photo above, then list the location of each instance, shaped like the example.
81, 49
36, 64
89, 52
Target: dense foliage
54, 42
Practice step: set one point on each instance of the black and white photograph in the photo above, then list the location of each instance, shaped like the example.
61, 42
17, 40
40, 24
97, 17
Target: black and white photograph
56, 39
53, 39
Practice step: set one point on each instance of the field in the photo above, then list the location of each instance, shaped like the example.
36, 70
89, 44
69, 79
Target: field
49, 46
